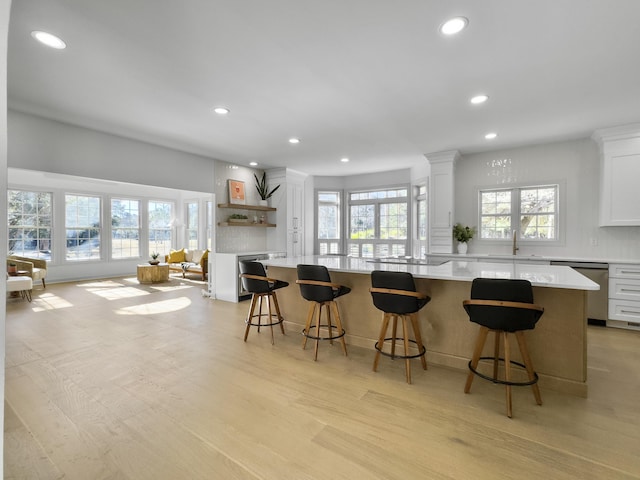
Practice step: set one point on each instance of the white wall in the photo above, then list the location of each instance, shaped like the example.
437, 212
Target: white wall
575, 164
46, 145
5, 7
237, 239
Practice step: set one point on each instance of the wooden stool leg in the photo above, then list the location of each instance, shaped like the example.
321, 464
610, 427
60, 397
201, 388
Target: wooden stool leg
339, 325
250, 316
496, 355
507, 370
280, 319
383, 332
524, 351
312, 308
259, 312
394, 334
418, 336
270, 318
482, 337
328, 314
405, 339
318, 321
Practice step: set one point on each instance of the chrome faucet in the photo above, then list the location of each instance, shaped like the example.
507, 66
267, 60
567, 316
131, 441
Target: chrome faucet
515, 242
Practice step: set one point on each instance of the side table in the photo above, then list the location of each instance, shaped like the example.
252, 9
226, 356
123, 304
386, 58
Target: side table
153, 273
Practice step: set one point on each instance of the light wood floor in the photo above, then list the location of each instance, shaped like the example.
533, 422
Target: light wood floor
113, 380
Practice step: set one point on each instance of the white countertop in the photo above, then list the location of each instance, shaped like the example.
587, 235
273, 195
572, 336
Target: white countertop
533, 257
539, 275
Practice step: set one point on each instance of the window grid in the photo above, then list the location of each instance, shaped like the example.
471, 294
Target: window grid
83, 227
378, 223
192, 225
495, 218
125, 228
532, 211
29, 223
160, 231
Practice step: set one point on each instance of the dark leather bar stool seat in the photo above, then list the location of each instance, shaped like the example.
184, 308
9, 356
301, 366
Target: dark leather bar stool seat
316, 287
395, 294
504, 307
255, 280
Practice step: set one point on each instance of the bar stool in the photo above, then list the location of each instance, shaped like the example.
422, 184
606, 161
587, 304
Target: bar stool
395, 294
503, 307
255, 281
316, 287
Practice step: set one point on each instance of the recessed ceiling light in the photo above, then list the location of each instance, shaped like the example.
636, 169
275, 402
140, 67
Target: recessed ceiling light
253, 164
453, 26
490, 136
344, 159
49, 40
294, 140
221, 110
479, 99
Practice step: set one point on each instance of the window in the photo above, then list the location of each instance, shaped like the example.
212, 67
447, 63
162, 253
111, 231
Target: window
125, 228
378, 223
29, 222
83, 226
329, 240
192, 225
209, 224
531, 211
160, 231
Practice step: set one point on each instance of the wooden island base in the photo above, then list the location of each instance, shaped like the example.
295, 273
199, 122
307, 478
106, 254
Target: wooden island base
557, 345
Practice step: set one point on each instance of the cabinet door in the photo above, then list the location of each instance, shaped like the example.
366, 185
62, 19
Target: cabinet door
295, 220
441, 208
620, 170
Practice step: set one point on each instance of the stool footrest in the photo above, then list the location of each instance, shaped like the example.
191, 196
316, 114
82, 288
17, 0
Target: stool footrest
277, 322
504, 382
387, 354
333, 327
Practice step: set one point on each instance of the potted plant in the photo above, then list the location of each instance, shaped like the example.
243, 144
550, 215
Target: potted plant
263, 189
238, 218
463, 234
154, 258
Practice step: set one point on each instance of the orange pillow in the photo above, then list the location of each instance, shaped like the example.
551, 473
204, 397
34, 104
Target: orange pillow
176, 256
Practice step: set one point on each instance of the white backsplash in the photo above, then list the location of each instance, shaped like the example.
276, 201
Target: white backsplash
575, 165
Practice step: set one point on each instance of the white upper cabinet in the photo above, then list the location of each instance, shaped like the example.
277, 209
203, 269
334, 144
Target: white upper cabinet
619, 175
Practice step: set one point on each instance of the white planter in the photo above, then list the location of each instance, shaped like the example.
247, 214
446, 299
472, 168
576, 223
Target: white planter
462, 248
263, 203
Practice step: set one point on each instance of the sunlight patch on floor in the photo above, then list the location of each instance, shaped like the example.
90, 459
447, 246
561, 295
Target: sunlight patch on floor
101, 284
49, 301
118, 293
170, 288
165, 306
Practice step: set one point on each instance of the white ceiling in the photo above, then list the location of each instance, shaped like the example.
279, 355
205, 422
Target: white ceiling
372, 80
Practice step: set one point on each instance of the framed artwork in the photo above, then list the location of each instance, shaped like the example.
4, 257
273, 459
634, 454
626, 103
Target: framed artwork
236, 192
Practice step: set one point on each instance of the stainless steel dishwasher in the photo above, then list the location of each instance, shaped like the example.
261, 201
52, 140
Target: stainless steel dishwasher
597, 301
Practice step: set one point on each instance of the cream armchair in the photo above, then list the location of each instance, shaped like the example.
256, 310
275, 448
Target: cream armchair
36, 267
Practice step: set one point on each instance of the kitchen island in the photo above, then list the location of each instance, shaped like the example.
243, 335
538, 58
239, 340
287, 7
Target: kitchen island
558, 344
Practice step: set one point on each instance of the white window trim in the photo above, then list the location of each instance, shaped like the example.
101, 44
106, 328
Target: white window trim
560, 220
377, 241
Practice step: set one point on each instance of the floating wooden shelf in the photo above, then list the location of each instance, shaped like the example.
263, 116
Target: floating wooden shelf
245, 224
247, 207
